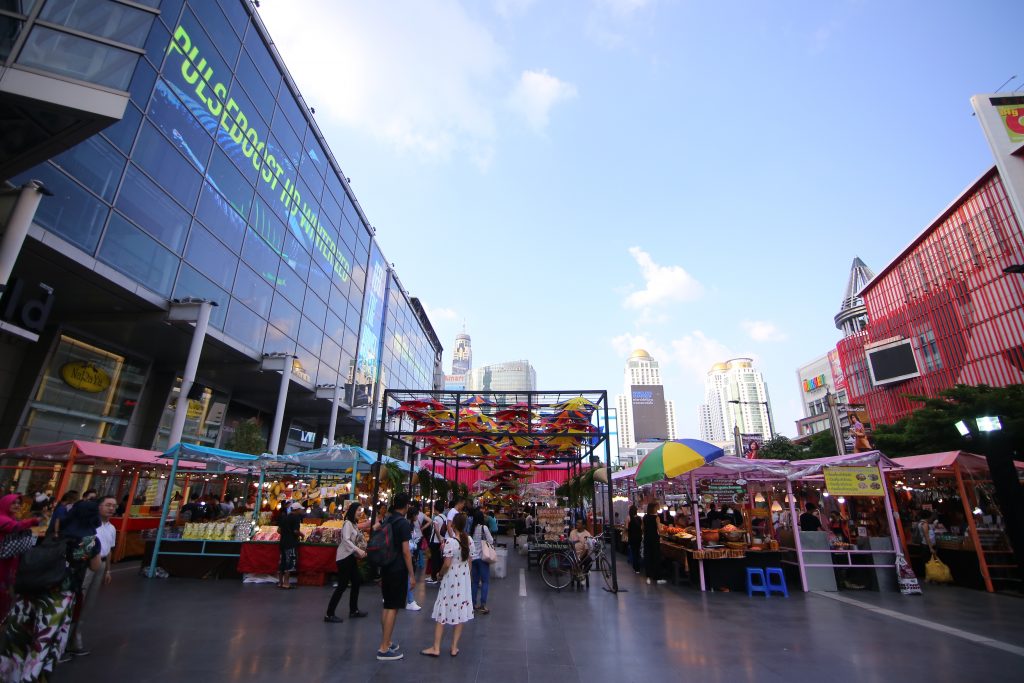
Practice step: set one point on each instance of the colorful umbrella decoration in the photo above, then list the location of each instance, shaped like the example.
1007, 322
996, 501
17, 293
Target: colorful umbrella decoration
478, 402
576, 403
674, 458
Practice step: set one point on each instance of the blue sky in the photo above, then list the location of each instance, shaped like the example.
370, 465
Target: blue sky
576, 179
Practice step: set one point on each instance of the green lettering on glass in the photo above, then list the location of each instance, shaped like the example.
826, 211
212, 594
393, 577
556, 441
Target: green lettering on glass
196, 71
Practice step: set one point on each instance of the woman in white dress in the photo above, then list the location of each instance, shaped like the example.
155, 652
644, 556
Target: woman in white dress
454, 604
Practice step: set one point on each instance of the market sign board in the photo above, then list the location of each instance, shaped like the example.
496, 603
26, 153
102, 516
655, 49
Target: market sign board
854, 481
722, 492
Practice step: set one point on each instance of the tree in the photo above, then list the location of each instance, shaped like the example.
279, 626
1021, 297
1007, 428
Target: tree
822, 445
779, 448
248, 438
932, 428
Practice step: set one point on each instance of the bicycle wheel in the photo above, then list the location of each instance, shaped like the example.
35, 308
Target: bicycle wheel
605, 567
556, 570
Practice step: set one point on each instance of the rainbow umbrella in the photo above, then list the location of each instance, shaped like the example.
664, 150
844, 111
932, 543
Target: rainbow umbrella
673, 458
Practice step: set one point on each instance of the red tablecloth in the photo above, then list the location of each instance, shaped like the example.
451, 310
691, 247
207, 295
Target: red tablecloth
264, 558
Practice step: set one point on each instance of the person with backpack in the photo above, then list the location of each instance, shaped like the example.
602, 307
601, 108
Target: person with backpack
350, 551
389, 551
36, 633
15, 539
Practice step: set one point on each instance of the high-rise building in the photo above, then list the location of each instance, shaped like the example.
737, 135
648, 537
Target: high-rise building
215, 183
644, 413
735, 395
852, 316
462, 356
516, 375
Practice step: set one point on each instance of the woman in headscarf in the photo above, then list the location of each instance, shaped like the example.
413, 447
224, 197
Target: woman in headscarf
10, 525
36, 633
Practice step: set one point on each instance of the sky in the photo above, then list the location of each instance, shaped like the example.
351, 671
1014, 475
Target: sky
574, 179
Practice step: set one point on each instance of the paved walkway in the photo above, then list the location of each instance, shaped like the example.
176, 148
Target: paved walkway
188, 630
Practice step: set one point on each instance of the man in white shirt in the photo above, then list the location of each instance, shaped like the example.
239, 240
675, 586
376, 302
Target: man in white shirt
106, 536
458, 504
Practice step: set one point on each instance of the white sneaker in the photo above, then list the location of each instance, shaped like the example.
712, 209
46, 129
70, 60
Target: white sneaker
648, 582
413, 607
662, 581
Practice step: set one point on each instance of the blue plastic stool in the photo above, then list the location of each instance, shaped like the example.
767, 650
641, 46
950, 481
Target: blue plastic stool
758, 586
777, 586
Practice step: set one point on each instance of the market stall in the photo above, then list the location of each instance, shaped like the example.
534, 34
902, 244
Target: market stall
955, 487
506, 440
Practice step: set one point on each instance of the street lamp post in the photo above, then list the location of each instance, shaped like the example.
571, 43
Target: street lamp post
767, 408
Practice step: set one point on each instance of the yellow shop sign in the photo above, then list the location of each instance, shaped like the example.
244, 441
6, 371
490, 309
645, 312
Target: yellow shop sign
85, 376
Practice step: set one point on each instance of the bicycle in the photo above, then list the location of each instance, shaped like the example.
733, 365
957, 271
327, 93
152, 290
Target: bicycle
561, 567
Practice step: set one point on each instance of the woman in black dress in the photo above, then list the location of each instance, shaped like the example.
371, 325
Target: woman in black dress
652, 544
635, 534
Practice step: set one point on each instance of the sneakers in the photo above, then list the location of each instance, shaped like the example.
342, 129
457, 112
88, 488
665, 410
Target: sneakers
662, 582
332, 619
431, 582
390, 655
413, 607
357, 614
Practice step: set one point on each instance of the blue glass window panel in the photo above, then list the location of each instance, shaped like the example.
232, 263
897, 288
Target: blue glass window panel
314, 308
347, 233
319, 281
238, 18
309, 198
266, 223
277, 341
156, 44
253, 116
158, 157
255, 88
79, 58
358, 278
100, 18
288, 108
71, 212
291, 285
123, 132
178, 124
229, 182
334, 328
261, 257
314, 156
138, 256
308, 361
170, 12
149, 207
330, 355
284, 316
296, 256
352, 317
217, 214
245, 326
142, 84
331, 210
192, 283
216, 24
334, 185
310, 335
96, 164
348, 345
253, 290
261, 57
210, 257
313, 182
286, 146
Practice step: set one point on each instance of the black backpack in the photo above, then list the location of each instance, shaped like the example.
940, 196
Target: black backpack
381, 550
42, 568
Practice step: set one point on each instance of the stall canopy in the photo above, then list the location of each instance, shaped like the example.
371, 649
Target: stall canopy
210, 455
802, 469
970, 462
339, 458
83, 450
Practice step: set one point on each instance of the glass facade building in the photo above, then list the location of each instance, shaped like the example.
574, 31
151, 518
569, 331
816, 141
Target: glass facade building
217, 184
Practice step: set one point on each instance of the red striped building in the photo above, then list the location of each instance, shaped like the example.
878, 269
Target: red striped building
948, 294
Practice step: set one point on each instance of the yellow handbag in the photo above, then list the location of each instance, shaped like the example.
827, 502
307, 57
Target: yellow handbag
937, 571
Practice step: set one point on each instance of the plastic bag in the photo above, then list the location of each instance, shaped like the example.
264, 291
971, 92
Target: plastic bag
937, 571
907, 580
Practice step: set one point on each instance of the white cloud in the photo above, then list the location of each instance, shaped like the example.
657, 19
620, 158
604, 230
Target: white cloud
661, 283
423, 76
763, 331
440, 313
536, 93
623, 7
696, 353
510, 8
627, 343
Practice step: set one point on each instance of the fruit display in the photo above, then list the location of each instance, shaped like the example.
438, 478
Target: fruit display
212, 531
267, 535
